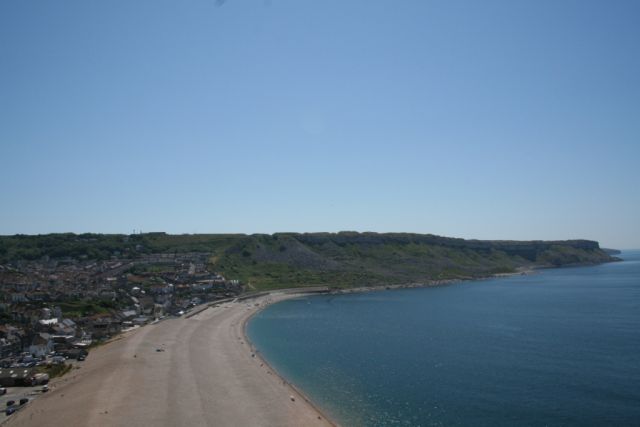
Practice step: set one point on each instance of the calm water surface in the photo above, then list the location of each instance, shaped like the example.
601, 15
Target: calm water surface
561, 347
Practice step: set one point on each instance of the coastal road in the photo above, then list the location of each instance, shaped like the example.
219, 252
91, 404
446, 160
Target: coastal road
204, 375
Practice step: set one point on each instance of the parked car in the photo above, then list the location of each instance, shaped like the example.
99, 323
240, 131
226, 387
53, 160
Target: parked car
23, 401
11, 402
3, 390
57, 360
40, 379
10, 411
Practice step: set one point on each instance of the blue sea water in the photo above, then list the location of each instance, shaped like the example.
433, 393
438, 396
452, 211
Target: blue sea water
557, 348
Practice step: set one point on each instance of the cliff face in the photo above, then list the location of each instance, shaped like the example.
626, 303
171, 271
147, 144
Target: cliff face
612, 251
530, 250
359, 259
335, 259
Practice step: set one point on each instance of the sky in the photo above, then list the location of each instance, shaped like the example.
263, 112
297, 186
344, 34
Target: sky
489, 120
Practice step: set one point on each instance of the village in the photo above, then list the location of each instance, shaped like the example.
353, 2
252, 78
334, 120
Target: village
52, 311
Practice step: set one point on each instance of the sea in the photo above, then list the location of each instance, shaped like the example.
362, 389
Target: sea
560, 347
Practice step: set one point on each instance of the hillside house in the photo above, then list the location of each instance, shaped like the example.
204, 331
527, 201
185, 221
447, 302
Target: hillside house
41, 344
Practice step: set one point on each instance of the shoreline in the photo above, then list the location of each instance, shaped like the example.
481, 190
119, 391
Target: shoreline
508, 329
70, 400
158, 366
294, 389
195, 371
291, 293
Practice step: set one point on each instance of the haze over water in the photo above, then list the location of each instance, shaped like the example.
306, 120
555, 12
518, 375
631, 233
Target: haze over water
560, 347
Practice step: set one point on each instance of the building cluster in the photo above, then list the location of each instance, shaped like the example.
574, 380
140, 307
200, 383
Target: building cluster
54, 309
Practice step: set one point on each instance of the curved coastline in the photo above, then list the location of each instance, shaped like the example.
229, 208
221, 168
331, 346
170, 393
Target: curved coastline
292, 387
128, 382
195, 371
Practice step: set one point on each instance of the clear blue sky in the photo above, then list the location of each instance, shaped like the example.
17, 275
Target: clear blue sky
478, 119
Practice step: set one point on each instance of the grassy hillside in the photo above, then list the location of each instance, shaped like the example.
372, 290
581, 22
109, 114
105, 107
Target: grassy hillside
343, 259
355, 259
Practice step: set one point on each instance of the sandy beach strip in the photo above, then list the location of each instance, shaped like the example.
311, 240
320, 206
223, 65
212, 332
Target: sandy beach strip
206, 374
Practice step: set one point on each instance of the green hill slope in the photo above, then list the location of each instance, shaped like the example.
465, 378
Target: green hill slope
363, 259
343, 259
